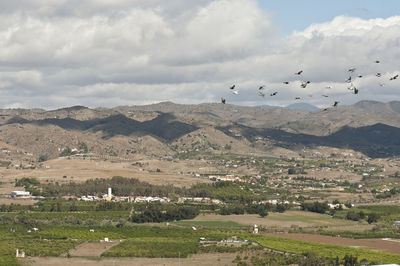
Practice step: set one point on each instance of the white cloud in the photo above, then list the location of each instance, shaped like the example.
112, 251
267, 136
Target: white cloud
108, 53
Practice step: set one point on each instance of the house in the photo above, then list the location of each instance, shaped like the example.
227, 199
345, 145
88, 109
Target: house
20, 194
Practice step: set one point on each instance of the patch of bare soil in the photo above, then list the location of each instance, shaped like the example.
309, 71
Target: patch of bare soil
376, 244
196, 259
79, 170
92, 249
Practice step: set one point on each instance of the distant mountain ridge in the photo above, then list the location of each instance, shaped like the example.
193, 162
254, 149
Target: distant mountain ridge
165, 128
302, 106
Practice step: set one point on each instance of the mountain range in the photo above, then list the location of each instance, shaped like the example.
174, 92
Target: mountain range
166, 128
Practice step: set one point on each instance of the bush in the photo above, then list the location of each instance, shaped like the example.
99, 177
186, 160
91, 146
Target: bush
319, 207
372, 218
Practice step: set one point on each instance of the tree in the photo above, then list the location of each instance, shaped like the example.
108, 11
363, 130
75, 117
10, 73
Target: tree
73, 207
42, 158
291, 171
83, 147
263, 213
372, 218
349, 260
353, 216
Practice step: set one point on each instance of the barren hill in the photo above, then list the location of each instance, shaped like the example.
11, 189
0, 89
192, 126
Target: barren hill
167, 129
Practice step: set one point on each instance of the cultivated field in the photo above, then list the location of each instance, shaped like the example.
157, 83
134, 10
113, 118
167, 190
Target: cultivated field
79, 170
196, 259
391, 246
281, 220
92, 249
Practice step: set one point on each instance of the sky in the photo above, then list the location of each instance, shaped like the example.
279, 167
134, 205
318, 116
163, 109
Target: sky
58, 53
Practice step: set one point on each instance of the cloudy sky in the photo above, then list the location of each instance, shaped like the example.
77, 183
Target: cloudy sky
57, 53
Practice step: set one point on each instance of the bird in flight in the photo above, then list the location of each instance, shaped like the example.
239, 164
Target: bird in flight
236, 92
394, 77
297, 98
223, 100
261, 87
328, 87
286, 82
335, 104
355, 90
377, 61
261, 94
299, 73
378, 74
352, 69
304, 84
233, 87
324, 95
348, 80
359, 76
273, 94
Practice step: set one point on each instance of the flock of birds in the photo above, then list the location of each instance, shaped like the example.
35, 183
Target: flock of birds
304, 84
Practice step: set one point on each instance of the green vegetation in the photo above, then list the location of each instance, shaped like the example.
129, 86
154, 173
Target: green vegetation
4, 163
156, 213
154, 247
26, 182
211, 224
319, 207
325, 250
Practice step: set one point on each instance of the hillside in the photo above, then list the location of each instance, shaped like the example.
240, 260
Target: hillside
165, 129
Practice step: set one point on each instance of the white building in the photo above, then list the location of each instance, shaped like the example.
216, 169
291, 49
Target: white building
20, 194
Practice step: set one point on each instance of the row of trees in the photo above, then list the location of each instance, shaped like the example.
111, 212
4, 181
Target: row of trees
260, 209
357, 216
156, 213
121, 187
319, 207
225, 191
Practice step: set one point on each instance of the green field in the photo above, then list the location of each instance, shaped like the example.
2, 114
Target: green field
154, 247
324, 250
211, 224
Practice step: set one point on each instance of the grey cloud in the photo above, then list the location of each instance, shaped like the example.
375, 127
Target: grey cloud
108, 53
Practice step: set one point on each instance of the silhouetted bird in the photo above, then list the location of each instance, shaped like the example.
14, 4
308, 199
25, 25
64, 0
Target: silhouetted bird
261, 87
233, 87
273, 94
352, 69
377, 61
328, 87
304, 84
286, 82
378, 74
335, 104
325, 95
394, 77
348, 80
223, 100
299, 73
355, 90
359, 76
297, 98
